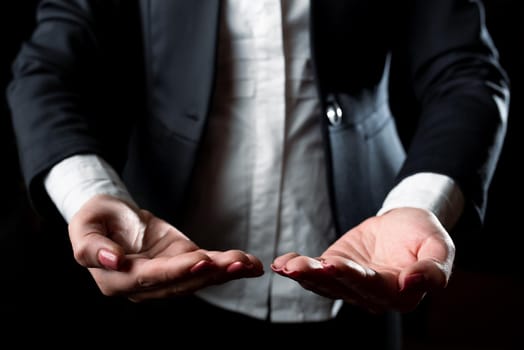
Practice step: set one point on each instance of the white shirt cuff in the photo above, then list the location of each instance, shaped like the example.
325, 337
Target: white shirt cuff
434, 192
75, 180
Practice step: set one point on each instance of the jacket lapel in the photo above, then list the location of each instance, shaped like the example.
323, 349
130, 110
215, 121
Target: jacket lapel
180, 39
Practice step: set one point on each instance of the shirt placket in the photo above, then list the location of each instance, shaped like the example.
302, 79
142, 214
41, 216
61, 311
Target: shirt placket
269, 125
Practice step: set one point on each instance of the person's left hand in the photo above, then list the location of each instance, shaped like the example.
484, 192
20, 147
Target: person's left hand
388, 262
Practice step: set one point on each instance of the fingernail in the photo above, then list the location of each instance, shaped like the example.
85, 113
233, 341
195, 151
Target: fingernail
413, 281
200, 266
276, 269
235, 267
108, 259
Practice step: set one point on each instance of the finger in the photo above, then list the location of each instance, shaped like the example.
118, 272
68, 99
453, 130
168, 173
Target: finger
312, 274
236, 264
412, 295
306, 267
426, 274
331, 288
143, 274
365, 280
348, 269
184, 286
297, 266
202, 275
172, 290
281, 261
321, 278
377, 291
334, 290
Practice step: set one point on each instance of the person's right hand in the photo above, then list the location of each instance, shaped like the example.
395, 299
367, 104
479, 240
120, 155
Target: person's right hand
132, 253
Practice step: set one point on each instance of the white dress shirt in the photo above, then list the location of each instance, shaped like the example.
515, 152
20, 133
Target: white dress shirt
260, 184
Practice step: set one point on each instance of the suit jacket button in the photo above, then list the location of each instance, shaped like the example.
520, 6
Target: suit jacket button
334, 113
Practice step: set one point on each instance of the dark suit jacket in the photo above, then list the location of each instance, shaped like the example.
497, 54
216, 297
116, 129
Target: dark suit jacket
99, 73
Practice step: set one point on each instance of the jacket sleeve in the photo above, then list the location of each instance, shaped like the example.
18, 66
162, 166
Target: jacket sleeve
462, 96
72, 59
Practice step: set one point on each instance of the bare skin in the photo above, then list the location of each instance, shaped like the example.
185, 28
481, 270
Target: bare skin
387, 262
130, 252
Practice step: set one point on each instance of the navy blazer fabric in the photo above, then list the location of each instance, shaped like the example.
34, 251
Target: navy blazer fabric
132, 81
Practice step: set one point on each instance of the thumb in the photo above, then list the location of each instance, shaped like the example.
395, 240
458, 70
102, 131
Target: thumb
111, 259
97, 250
98, 230
426, 274
433, 268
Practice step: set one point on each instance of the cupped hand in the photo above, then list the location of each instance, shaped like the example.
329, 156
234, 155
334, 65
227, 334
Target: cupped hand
388, 262
130, 252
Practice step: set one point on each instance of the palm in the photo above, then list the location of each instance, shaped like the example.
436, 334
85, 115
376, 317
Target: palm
387, 262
